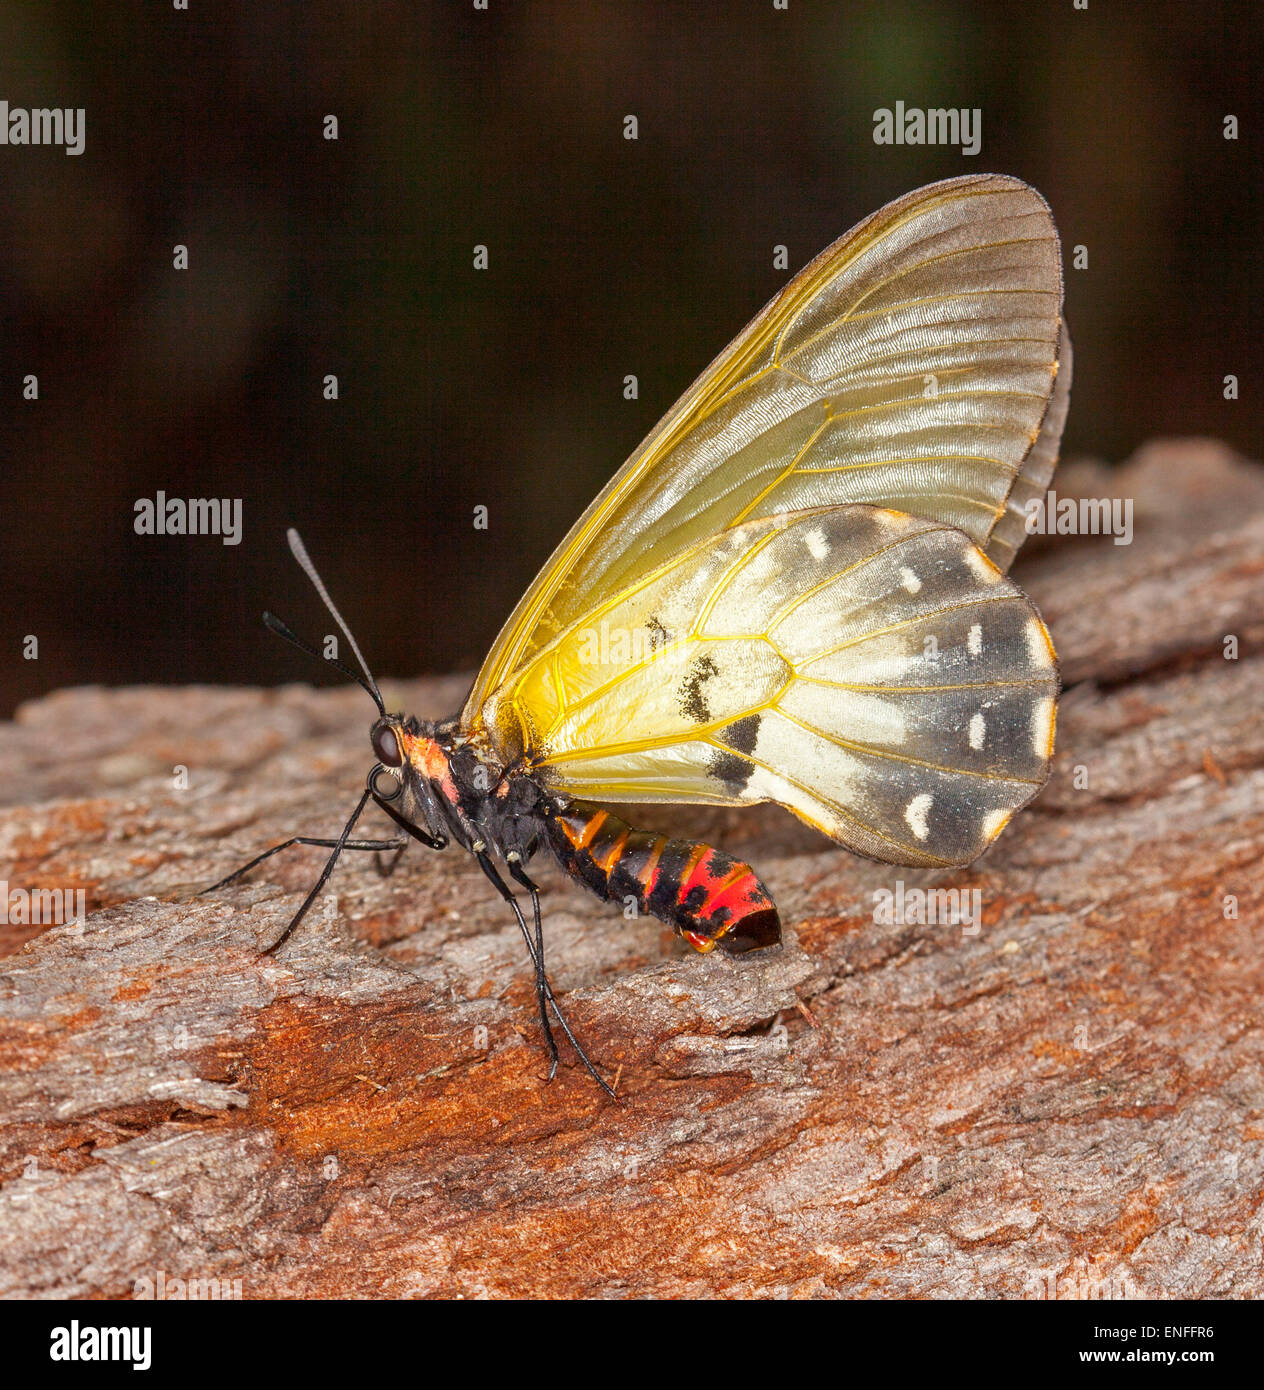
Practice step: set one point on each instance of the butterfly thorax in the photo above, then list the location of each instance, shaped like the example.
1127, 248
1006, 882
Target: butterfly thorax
454, 787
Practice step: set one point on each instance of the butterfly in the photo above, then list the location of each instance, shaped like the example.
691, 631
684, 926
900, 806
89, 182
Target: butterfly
794, 591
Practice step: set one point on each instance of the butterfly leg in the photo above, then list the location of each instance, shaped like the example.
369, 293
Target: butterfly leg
519, 875
536, 952
373, 845
537, 961
339, 845
344, 841
387, 869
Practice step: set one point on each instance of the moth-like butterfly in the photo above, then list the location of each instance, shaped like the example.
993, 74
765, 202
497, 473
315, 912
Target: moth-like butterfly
793, 591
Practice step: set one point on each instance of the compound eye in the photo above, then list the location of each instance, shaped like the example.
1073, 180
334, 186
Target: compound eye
386, 746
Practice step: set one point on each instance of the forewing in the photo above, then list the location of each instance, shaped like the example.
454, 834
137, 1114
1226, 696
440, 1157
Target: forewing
1036, 473
910, 365
872, 671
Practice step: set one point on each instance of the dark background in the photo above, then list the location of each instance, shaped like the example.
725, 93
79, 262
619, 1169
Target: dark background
504, 388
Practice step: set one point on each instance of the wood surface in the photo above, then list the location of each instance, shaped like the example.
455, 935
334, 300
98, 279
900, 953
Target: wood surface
1066, 1100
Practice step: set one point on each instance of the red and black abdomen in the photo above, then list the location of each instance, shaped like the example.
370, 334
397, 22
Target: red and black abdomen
711, 899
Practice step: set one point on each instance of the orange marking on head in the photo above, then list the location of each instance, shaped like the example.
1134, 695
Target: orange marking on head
431, 761
425, 755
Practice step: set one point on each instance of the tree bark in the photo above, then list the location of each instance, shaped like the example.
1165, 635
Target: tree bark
1066, 1100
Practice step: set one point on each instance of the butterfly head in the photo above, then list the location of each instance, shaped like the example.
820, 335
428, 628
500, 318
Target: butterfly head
412, 772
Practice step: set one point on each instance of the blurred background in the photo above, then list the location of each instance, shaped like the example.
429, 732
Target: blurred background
504, 388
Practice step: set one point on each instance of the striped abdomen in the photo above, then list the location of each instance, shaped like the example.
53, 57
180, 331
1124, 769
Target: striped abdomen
711, 899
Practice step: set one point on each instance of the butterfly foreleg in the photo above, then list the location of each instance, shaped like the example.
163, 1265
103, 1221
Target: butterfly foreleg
371, 845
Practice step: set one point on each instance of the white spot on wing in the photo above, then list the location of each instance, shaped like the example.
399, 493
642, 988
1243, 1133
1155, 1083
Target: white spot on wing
974, 642
817, 544
915, 813
1042, 728
994, 822
1039, 648
910, 581
978, 727
981, 567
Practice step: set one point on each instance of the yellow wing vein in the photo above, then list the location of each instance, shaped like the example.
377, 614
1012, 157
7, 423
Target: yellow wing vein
608, 787
645, 745
789, 607
931, 400
871, 358
834, 806
922, 300
923, 458
784, 474
556, 668
841, 383
853, 746
910, 622
727, 578
835, 324
918, 689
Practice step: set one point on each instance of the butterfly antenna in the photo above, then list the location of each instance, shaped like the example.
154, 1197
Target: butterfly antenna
284, 630
299, 551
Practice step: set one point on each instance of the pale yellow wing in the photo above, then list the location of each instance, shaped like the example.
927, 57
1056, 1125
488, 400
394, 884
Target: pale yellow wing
1033, 480
872, 671
910, 365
